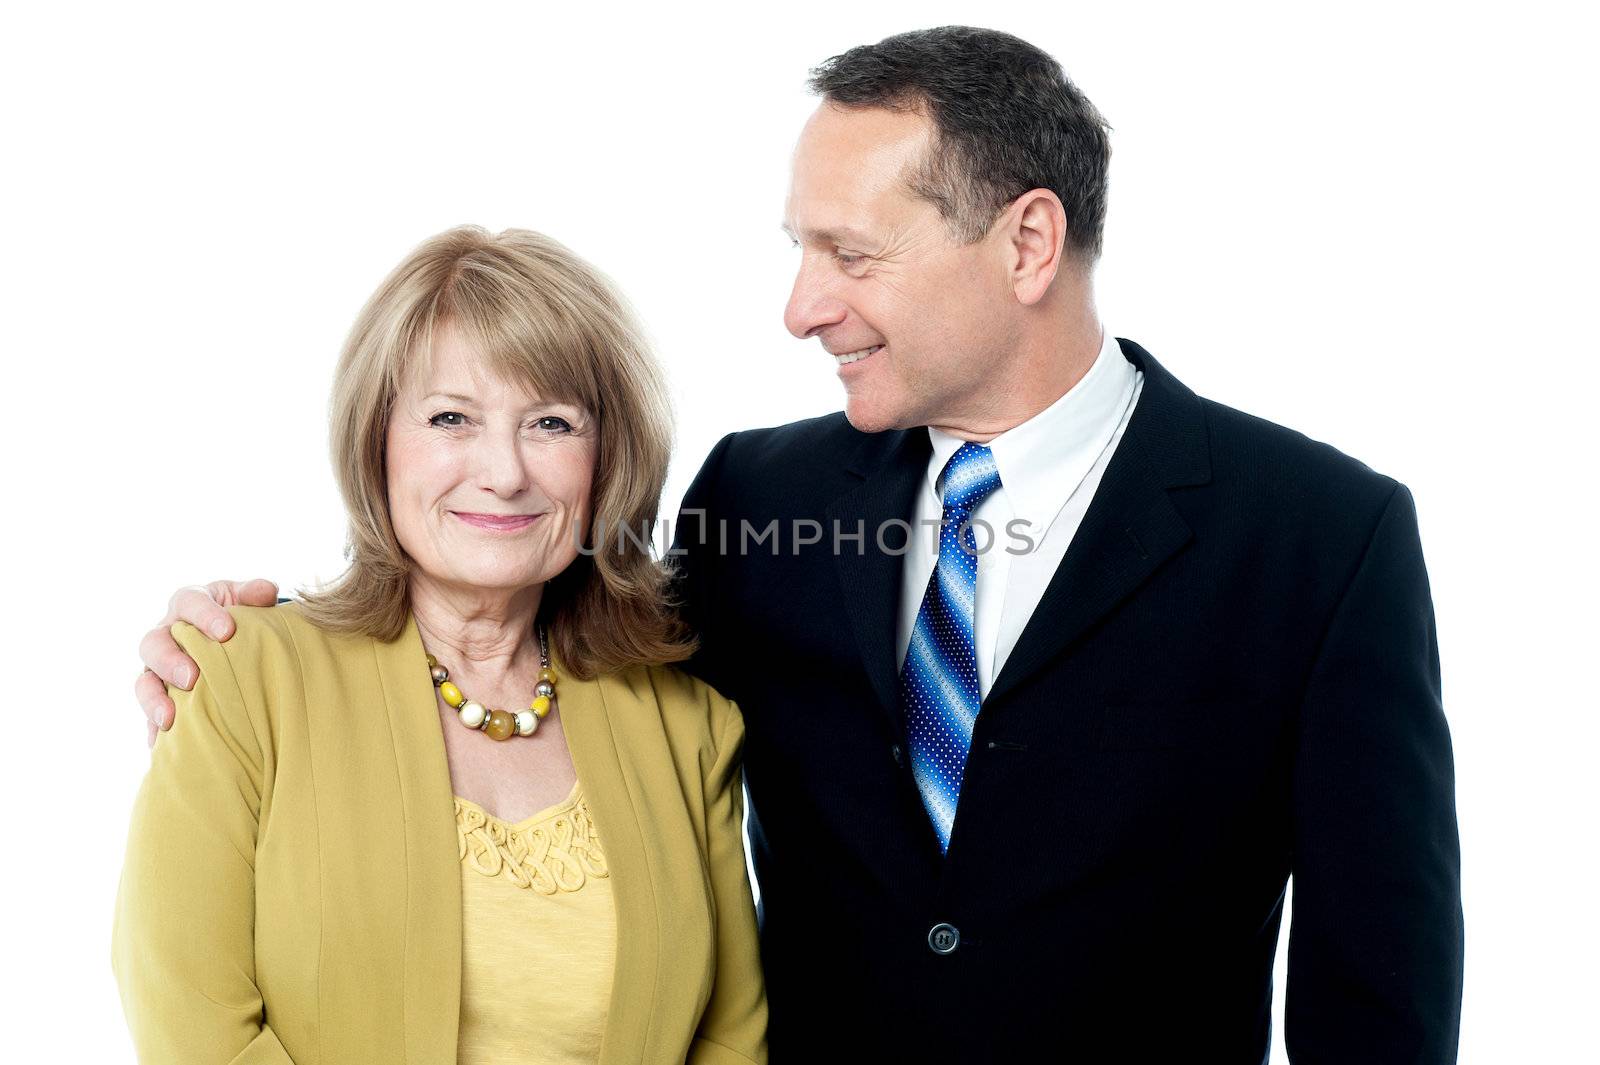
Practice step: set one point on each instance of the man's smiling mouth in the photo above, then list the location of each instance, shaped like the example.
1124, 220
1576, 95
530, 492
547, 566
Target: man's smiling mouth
855, 356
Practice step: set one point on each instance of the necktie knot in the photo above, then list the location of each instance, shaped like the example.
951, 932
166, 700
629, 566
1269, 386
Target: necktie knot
970, 477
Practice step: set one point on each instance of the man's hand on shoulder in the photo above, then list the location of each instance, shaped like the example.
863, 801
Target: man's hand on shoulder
202, 606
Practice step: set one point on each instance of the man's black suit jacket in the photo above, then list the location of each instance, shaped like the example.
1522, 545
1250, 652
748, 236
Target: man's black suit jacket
1232, 678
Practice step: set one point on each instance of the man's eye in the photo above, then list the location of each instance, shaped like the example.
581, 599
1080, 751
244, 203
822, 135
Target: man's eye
845, 259
447, 414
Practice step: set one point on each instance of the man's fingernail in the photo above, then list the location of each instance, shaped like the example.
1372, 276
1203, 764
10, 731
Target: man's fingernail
219, 629
181, 676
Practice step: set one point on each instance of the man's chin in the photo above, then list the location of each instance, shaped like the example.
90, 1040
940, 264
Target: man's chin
866, 419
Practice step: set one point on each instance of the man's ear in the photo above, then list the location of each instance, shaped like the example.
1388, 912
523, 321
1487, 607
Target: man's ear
1035, 231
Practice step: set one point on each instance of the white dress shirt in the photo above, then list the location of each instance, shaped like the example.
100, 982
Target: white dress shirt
1049, 468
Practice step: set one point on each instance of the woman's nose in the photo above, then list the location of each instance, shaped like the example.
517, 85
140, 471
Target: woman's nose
502, 468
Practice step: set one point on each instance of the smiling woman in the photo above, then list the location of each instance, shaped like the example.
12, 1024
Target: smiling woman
494, 494
475, 364
373, 814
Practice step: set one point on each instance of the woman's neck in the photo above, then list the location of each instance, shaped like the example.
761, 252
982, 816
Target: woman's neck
487, 634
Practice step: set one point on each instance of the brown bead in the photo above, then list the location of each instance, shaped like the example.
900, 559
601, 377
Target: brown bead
501, 725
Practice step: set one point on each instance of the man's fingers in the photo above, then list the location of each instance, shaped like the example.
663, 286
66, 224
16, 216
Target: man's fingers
150, 740
205, 606
206, 609
258, 592
161, 653
202, 608
153, 700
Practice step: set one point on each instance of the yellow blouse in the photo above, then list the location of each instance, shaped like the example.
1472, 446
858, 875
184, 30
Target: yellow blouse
538, 936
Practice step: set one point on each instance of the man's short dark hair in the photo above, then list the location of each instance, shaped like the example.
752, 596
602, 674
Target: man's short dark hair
1007, 120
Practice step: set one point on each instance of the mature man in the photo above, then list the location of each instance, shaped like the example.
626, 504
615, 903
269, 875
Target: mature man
1041, 801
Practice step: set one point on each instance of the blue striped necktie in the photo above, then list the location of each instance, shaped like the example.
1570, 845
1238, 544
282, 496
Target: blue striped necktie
939, 681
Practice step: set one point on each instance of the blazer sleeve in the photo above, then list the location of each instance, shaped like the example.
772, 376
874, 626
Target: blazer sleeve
183, 941
695, 554
1375, 944
733, 1028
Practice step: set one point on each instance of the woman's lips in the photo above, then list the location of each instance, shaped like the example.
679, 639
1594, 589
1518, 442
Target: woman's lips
498, 523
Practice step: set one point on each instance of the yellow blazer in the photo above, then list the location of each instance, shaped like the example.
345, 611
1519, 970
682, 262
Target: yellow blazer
292, 888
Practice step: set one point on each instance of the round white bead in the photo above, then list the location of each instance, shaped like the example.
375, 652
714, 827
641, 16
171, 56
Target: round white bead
527, 723
473, 713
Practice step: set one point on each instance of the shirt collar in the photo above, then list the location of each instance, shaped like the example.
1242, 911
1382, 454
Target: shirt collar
1042, 461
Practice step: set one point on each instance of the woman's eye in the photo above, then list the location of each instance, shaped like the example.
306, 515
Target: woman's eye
447, 414
553, 424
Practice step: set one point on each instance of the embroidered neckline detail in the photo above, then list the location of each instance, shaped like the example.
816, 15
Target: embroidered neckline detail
554, 850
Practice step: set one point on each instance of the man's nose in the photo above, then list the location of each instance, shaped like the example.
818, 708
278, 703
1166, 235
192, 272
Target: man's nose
812, 303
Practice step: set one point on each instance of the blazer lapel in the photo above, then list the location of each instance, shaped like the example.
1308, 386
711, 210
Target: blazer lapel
1130, 528
609, 790
432, 882
893, 465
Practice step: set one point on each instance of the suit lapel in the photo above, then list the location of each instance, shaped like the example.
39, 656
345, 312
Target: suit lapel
893, 466
1130, 529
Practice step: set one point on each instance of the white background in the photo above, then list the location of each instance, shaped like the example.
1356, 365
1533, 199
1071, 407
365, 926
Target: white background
1372, 223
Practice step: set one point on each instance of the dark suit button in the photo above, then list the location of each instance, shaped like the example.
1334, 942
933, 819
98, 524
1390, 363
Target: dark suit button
899, 754
943, 938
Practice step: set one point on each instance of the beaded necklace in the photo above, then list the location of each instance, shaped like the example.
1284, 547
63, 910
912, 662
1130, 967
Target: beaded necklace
501, 724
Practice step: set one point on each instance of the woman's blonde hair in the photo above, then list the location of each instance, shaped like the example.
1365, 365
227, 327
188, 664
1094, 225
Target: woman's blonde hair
542, 318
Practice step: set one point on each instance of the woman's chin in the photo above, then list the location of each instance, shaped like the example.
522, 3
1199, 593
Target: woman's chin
487, 580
